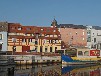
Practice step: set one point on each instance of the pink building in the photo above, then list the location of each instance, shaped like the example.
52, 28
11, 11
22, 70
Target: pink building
74, 35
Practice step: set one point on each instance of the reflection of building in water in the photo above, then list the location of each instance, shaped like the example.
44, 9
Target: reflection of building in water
6, 70
51, 70
88, 71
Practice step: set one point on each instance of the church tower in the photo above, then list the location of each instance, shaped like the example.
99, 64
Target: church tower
54, 23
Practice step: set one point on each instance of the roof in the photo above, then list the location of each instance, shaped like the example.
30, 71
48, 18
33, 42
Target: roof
71, 26
36, 30
96, 27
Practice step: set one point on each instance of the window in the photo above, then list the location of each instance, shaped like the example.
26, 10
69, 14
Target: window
28, 29
12, 28
40, 48
13, 39
36, 36
89, 39
25, 34
30, 40
50, 49
50, 41
54, 41
46, 48
59, 35
51, 35
86, 53
47, 41
44, 41
83, 33
94, 39
93, 33
80, 53
36, 42
48, 30
19, 28
54, 31
0, 36
41, 29
83, 38
14, 48
72, 38
23, 40
55, 48
76, 33
0, 47
36, 48
32, 35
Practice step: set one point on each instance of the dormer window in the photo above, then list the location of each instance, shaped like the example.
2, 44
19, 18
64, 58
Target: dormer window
19, 28
12, 28
48, 30
54, 31
25, 34
28, 29
41, 29
32, 34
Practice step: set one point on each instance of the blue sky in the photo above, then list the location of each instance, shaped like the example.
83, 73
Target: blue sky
42, 12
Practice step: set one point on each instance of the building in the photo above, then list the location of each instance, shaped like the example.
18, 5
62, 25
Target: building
73, 35
3, 36
33, 38
94, 37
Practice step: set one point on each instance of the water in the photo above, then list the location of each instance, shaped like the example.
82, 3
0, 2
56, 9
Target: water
51, 70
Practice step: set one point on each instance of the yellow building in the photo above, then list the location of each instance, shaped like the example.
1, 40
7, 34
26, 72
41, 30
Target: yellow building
33, 38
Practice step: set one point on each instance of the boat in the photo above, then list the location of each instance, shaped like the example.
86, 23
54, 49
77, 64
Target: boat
84, 56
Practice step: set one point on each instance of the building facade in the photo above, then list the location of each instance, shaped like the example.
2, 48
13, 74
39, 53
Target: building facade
94, 37
34, 38
73, 35
3, 36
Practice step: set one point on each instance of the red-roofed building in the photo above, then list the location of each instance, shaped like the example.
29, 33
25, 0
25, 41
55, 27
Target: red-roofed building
38, 39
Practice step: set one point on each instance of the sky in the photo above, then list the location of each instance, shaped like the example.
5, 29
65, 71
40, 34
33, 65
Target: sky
42, 12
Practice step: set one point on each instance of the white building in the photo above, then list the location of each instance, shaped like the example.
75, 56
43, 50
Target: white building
94, 37
3, 36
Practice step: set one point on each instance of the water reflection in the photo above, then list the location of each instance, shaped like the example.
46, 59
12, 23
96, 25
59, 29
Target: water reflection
81, 70
38, 70
50, 70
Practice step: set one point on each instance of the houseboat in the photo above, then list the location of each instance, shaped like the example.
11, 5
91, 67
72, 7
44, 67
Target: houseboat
83, 56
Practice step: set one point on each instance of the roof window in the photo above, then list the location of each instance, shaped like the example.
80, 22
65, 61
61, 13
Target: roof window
19, 28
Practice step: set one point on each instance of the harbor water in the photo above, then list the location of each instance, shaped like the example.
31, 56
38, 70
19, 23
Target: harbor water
51, 70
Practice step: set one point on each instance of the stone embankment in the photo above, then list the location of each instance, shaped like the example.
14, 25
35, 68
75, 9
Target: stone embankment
32, 58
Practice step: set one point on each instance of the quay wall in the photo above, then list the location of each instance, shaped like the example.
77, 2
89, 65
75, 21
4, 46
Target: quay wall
31, 59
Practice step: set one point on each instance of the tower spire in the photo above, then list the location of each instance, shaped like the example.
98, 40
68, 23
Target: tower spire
54, 23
